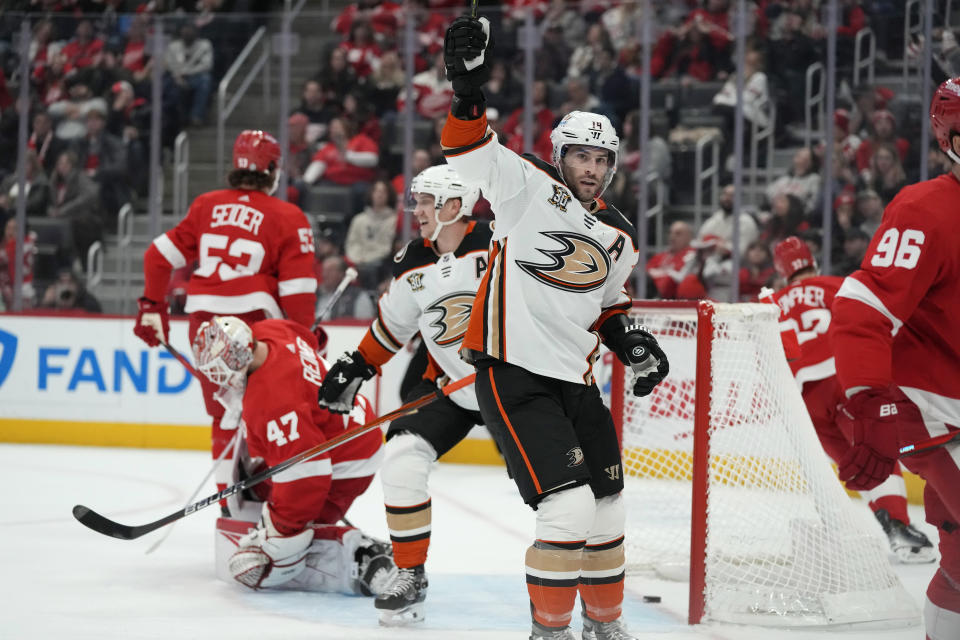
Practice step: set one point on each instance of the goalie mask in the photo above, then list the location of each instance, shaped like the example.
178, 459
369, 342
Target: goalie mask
443, 183
223, 349
586, 129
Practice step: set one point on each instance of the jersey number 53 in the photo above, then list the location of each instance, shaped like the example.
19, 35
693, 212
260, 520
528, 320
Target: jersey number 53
240, 248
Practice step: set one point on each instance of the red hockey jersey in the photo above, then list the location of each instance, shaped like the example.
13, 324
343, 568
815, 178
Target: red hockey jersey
283, 419
896, 319
805, 310
255, 252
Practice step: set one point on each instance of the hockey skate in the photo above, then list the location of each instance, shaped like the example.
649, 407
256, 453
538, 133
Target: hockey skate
375, 568
541, 632
907, 543
613, 630
401, 602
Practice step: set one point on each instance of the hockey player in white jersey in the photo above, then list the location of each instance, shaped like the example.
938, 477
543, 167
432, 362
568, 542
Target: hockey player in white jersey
554, 290
435, 280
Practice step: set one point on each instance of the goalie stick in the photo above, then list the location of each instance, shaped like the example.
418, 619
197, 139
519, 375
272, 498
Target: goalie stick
93, 520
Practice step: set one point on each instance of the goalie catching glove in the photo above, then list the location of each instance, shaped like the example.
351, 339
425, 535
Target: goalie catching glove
465, 48
638, 349
153, 322
340, 385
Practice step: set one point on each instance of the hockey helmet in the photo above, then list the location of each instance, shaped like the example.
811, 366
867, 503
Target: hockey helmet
791, 255
588, 129
443, 183
222, 349
945, 115
256, 151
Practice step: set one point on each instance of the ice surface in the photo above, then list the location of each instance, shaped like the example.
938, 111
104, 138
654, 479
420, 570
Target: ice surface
60, 580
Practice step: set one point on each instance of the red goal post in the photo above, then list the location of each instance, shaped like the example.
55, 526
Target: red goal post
727, 485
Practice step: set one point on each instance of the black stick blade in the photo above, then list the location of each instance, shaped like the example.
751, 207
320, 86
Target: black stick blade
93, 520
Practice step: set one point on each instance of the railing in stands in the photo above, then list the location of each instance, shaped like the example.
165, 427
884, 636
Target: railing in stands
225, 107
124, 257
760, 134
702, 173
657, 209
181, 174
813, 99
94, 265
864, 62
911, 63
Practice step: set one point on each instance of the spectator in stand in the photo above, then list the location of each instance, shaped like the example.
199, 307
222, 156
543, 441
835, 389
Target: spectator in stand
756, 103
690, 52
385, 83
189, 60
8, 264
358, 109
419, 161
855, 243
844, 214
362, 52
623, 23
370, 236
852, 20
319, 109
129, 120
347, 159
886, 175
553, 59
71, 114
429, 25
583, 54
381, 16
802, 181
52, 86
135, 59
720, 225
502, 90
884, 132
564, 18
870, 210
300, 150
788, 219
579, 97
432, 91
847, 142
336, 76
75, 197
611, 84
711, 272
757, 271
84, 50
37, 188
43, 142
668, 268
104, 159
68, 293
354, 303
787, 60
937, 161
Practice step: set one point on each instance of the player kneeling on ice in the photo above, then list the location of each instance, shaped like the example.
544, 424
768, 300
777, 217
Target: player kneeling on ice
435, 280
553, 291
273, 368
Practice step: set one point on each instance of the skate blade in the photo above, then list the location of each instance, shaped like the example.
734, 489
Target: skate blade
412, 614
906, 555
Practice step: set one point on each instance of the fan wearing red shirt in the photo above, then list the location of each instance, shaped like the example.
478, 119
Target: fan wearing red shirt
805, 310
897, 352
346, 158
255, 256
84, 50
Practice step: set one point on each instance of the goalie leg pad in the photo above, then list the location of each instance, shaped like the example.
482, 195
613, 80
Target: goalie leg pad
268, 559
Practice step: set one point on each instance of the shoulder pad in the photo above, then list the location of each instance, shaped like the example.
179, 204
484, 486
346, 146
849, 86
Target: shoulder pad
478, 239
546, 167
414, 255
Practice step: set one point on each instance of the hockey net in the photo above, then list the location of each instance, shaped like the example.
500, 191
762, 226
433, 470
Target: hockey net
727, 485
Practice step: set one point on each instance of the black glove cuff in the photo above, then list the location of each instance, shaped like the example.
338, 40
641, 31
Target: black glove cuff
364, 368
468, 106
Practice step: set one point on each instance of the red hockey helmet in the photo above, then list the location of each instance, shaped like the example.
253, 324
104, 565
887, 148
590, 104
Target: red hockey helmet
256, 151
945, 114
792, 255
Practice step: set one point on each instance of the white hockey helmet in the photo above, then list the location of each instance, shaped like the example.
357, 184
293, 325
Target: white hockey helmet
443, 183
223, 349
588, 129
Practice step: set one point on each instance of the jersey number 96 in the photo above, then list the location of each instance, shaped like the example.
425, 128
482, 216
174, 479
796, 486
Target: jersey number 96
899, 250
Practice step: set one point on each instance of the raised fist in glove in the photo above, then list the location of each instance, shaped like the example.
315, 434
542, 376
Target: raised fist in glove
465, 49
638, 349
873, 416
153, 322
265, 557
340, 386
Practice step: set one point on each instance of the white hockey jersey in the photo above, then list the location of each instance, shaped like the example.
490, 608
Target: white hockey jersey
557, 270
432, 294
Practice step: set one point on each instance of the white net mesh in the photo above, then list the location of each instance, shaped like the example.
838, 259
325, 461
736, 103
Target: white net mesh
784, 543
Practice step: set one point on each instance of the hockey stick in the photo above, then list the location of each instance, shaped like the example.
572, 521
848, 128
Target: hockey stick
230, 445
93, 520
348, 277
929, 445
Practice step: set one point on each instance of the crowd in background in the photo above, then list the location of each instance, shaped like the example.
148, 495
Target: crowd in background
90, 84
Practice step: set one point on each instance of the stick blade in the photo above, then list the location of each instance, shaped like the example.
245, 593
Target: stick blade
93, 520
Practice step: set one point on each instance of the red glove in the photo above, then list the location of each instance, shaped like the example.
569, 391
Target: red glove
153, 322
874, 415
321, 335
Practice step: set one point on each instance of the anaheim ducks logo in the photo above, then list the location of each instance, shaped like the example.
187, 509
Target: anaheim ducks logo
454, 315
580, 264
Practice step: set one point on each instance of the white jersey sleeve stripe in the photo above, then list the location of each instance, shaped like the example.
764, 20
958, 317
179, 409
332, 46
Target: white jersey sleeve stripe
856, 290
296, 285
309, 469
169, 251
384, 338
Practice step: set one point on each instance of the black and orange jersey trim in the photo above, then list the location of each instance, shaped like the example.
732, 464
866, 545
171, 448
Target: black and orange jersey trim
467, 148
419, 252
486, 333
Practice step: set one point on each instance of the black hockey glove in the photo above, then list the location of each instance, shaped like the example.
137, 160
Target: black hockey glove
465, 53
638, 349
340, 386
